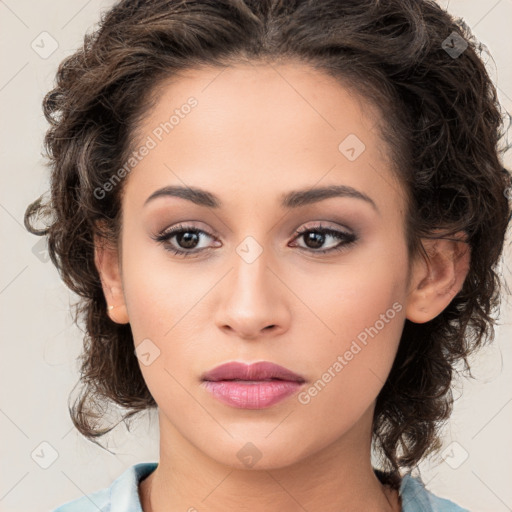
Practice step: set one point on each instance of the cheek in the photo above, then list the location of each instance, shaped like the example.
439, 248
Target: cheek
158, 293
163, 305
362, 313
349, 298
350, 367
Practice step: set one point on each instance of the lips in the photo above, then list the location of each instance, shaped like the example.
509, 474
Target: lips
254, 386
251, 372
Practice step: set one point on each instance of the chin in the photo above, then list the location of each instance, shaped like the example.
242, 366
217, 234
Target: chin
259, 453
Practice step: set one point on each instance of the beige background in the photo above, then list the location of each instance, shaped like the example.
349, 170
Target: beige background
40, 344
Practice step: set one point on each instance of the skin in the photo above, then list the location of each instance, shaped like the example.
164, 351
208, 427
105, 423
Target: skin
258, 131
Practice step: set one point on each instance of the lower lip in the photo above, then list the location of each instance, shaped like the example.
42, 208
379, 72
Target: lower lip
252, 394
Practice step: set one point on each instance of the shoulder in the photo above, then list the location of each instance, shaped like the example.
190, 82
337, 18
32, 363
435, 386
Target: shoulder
122, 495
416, 498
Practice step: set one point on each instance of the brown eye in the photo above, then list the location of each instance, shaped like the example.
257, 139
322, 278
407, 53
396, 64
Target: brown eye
187, 238
316, 237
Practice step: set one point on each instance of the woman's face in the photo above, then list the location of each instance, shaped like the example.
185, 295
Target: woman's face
255, 154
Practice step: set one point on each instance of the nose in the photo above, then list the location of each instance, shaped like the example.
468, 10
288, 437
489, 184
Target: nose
253, 300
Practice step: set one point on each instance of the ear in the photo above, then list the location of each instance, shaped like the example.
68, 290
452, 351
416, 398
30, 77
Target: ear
435, 282
107, 261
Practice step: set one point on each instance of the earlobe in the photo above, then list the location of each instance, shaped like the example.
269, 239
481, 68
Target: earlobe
118, 314
436, 281
106, 259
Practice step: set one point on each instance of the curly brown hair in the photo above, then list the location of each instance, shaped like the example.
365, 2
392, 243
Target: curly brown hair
440, 117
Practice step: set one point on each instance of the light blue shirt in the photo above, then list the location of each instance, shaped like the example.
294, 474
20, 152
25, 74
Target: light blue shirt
123, 495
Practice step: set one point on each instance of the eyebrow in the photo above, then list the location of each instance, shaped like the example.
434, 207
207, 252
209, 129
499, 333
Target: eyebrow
289, 200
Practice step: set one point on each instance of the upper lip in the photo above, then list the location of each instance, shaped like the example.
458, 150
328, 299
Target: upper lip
262, 370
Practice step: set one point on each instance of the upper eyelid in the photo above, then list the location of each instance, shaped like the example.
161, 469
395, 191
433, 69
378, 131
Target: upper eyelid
320, 225
184, 227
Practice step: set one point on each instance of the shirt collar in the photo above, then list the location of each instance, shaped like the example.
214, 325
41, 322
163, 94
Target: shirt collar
124, 493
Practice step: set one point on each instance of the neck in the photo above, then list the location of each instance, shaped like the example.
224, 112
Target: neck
339, 477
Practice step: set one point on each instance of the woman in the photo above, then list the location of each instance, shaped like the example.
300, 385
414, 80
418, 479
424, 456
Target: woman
283, 219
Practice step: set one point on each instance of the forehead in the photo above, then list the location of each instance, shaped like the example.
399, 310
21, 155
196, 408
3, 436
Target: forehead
250, 127
292, 100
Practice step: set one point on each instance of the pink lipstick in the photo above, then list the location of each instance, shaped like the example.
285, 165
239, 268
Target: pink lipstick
251, 386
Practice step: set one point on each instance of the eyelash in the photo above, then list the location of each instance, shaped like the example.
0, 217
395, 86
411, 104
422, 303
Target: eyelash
164, 237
